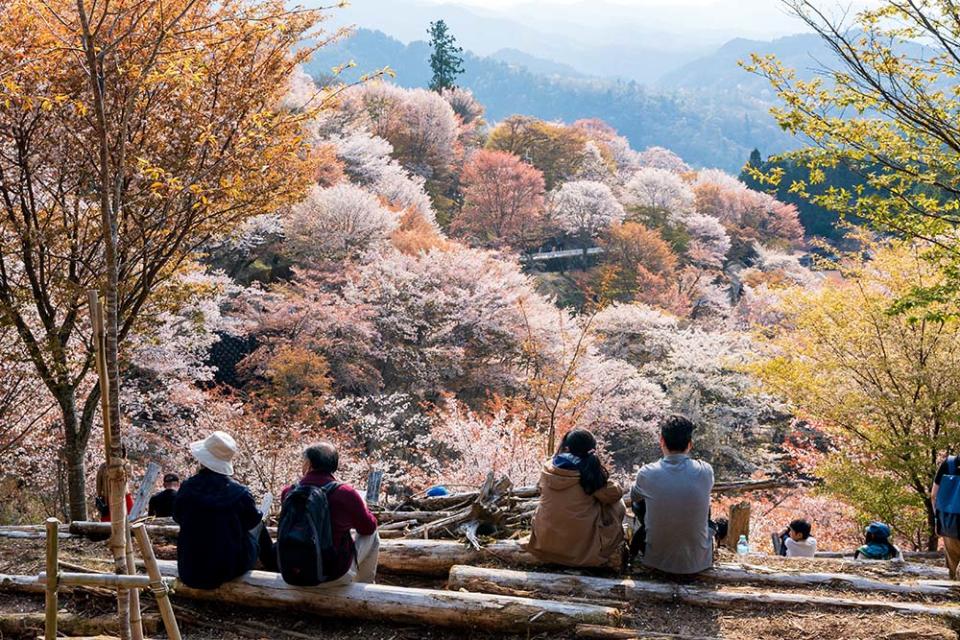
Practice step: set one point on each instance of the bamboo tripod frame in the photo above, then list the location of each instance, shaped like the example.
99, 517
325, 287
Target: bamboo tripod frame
53, 579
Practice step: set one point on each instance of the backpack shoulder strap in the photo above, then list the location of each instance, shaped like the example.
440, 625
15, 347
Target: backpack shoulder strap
330, 487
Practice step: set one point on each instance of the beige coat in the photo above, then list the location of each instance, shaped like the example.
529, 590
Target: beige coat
575, 529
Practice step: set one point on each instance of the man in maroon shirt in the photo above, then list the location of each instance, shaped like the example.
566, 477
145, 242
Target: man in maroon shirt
353, 558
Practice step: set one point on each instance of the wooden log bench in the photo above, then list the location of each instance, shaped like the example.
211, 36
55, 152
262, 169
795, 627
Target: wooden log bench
509, 582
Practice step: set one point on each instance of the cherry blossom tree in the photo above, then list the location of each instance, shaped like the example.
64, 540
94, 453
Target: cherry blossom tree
748, 215
659, 189
445, 320
477, 443
309, 314
503, 201
595, 167
368, 163
464, 104
337, 223
623, 406
660, 158
585, 209
709, 242
419, 124
701, 373
612, 145
390, 432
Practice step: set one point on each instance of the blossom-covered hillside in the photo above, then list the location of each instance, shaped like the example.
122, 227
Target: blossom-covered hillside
408, 307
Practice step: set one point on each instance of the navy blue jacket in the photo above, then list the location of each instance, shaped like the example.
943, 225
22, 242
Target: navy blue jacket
215, 545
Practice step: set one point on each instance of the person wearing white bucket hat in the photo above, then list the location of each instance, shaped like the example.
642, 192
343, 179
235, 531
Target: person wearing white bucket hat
220, 533
216, 452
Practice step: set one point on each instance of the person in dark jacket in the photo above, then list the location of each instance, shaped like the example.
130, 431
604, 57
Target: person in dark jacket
161, 504
354, 556
220, 526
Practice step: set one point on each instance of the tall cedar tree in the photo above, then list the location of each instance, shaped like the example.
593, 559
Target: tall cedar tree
445, 61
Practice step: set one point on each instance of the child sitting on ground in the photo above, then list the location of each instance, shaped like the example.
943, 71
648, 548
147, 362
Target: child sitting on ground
796, 541
877, 544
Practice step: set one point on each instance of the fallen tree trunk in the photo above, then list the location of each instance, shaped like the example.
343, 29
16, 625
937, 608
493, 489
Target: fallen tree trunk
24, 624
435, 557
457, 499
908, 555
33, 535
21, 584
737, 574
888, 566
596, 632
386, 517
506, 582
398, 604
89, 528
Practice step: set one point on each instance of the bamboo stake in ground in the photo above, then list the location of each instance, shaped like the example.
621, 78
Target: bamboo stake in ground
116, 482
136, 619
51, 605
157, 585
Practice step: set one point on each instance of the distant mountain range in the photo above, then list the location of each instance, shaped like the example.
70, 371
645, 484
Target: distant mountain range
711, 112
597, 38
721, 71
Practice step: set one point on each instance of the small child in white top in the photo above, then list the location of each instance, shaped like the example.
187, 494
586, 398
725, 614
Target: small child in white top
797, 541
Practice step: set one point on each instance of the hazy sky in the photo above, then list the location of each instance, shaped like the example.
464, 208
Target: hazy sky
754, 18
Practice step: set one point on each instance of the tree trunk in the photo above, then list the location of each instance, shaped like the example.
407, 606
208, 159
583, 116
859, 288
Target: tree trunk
596, 632
933, 540
17, 625
500, 581
401, 604
751, 574
739, 524
73, 455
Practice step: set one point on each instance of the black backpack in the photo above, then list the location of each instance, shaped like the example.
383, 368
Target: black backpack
305, 534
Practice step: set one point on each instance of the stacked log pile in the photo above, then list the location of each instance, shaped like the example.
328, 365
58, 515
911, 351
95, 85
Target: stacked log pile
497, 510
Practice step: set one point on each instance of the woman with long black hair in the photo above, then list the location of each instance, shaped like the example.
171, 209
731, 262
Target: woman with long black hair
579, 522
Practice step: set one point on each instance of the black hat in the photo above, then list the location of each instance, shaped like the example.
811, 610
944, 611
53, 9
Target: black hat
171, 477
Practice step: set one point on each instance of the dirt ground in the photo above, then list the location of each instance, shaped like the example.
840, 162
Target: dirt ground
209, 622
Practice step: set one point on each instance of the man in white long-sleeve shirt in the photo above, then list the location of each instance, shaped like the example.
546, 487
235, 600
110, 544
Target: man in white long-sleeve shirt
672, 499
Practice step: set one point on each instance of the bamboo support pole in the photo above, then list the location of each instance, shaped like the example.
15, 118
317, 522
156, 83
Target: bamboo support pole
157, 585
136, 618
51, 604
116, 480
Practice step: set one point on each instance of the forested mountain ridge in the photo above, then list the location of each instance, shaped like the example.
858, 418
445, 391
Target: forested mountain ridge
707, 129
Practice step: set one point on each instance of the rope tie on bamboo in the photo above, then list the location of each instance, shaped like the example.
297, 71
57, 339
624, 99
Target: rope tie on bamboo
159, 588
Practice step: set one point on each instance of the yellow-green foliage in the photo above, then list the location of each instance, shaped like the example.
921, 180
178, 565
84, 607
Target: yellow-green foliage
890, 110
885, 385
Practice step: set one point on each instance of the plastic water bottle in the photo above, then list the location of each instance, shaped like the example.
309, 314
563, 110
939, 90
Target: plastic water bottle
743, 547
